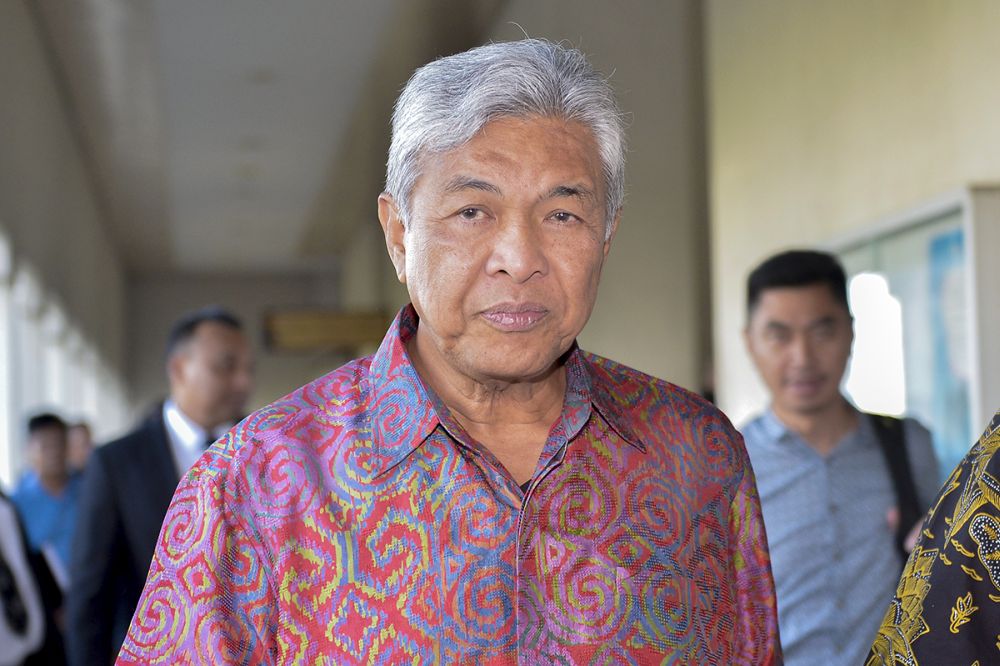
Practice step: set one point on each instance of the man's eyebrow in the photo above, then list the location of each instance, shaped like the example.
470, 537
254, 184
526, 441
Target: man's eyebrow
574, 191
826, 320
460, 183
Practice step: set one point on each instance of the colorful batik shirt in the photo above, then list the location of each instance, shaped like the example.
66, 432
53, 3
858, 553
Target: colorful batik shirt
947, 606
355, 521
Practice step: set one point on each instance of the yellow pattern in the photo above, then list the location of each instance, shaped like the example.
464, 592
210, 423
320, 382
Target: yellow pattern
904, 621
962, 549
961, 612
972, 573
981, 487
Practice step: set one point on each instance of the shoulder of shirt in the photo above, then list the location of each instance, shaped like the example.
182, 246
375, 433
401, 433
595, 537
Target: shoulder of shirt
308, 417
651, 405
626, 379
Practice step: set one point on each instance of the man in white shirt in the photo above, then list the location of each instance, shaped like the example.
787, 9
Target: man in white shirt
129, 482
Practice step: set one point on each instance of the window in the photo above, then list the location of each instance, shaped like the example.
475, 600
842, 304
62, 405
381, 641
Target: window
47, 363
908, 292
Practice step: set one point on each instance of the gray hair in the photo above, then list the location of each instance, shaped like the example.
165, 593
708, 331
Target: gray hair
445, 103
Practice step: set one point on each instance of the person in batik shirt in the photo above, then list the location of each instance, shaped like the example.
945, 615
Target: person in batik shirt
480, 490
947, 605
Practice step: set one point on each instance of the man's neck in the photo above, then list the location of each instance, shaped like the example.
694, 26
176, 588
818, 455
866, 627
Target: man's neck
54, 484
193, 417
821, 429
511, 419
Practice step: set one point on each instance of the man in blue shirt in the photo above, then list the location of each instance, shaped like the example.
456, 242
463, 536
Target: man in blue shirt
829, 502
46, 497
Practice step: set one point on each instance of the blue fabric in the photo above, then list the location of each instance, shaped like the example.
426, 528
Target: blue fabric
833, 554
48, 520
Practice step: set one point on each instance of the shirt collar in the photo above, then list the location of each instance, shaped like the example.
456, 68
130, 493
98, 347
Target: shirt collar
185, 432
614, 397
994, 423
773, 427
405, 412
776, 430
402, 412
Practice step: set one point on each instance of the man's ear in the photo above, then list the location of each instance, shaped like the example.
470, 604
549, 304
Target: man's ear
175, 367
610, 234
747, 342
392, 227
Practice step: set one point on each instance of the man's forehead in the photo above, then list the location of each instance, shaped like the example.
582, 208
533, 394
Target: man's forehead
805, 301
47, 433
215, 338
572, 167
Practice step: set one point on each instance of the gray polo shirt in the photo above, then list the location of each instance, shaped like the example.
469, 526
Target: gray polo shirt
833, 555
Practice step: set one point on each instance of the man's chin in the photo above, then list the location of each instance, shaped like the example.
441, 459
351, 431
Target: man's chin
809, 406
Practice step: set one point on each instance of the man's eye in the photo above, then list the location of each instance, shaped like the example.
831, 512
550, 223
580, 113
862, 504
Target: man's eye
470, 213
563, 216
776, 336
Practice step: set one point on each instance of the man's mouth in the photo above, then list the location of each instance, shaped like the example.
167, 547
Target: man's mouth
515, 317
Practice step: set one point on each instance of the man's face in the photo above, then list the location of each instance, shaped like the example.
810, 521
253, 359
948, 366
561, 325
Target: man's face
504, 250
80, 446
800, 339
211, 375
47, 448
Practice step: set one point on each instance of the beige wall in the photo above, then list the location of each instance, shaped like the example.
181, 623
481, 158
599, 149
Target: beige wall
829, 116
48, 207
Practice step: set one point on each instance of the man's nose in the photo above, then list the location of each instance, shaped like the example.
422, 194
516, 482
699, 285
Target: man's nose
517, 250
801, 350
243, 380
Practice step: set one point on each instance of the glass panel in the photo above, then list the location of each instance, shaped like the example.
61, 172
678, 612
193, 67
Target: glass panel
907, 293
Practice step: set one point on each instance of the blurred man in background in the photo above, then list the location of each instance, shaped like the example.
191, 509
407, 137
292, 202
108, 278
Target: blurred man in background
840, 489
46, 497
81, 445
128, 483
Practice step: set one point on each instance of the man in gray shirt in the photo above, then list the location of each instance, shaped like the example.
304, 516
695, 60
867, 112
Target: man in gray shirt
829, 502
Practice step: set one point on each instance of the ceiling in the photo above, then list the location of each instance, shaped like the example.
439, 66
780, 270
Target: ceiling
242, 135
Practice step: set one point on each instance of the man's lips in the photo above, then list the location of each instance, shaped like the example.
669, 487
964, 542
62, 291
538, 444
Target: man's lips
804, 385
515, 317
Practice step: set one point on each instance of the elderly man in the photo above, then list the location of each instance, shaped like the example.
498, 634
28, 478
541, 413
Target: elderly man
480, 490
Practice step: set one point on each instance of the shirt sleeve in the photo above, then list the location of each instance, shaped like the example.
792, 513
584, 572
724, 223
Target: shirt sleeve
756, 622
208, 597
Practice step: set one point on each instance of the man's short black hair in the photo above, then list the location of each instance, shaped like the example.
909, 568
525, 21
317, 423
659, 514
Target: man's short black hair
43, 421
185, 327
797, 268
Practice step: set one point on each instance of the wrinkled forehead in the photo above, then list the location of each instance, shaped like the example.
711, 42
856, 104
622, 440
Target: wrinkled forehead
568, 149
